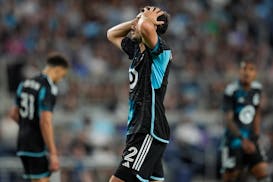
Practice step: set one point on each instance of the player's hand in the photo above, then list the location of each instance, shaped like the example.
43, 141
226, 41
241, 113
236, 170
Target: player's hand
54, 164
248, 146
152, 14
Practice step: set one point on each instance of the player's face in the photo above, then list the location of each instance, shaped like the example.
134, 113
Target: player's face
135, 34
60, 73
248, 73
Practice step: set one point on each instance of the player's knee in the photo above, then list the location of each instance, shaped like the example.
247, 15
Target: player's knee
260, 171
265, 179
115, 179
231, 176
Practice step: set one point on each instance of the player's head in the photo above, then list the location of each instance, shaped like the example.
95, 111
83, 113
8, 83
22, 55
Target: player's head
57, 66
248, 70
160, 29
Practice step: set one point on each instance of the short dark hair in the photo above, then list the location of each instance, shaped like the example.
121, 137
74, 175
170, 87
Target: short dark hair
161, 29
57, 59
249, 59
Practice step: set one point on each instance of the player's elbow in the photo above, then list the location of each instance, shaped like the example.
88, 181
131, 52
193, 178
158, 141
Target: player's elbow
45, 119
13, 114
146, 28
109, 35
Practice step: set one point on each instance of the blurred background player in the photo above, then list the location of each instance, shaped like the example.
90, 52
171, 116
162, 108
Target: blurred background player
35, 101
148, 130
243, 119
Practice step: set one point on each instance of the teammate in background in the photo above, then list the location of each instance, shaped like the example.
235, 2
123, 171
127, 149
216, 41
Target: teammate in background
243, 118
148, 130
35, 100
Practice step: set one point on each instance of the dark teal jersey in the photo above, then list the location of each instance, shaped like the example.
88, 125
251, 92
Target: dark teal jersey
148, 76
244, 105
32, 97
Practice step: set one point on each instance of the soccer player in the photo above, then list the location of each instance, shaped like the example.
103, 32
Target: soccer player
242, 117
35, 100
148, 130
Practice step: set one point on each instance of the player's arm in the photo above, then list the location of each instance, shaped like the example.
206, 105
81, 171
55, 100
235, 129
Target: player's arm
229, 113
48, 136
147, 25
118, 32
229, 120
47, 131
46, 107
14, 114
14, 111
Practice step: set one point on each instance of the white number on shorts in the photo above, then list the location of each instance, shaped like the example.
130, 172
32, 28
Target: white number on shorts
227, 162
129, 156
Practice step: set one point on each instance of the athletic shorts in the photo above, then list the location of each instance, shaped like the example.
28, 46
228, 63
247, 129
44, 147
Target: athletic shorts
141, 159
35, 167
232, 159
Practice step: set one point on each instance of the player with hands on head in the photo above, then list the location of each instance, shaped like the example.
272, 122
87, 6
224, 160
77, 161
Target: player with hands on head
147, 129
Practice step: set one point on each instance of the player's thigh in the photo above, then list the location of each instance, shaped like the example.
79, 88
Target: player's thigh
36, 168
231, 175
139, 158
258, 165
158, 172
115, 179
260, 170
231, 160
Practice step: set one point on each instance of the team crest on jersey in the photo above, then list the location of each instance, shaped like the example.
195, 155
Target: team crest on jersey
133, 78
247, 114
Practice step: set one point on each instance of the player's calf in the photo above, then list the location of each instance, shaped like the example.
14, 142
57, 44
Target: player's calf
233, 176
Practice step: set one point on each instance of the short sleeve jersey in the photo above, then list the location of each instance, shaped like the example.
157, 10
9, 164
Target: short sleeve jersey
32, 97
243, 104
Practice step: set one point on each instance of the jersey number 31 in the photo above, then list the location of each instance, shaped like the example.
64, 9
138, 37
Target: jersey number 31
27, 106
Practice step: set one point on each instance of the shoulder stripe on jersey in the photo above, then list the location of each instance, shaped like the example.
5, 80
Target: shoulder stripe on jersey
231, 88
159, 67
131, 111
142, 150
18, 93
256, 85
153, 120
19, 89
41, 96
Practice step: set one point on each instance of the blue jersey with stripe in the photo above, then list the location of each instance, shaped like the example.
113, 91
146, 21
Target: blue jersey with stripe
148, 76
243, 104
32, 97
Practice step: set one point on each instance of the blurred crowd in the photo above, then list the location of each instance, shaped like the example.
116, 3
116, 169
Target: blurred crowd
208, 39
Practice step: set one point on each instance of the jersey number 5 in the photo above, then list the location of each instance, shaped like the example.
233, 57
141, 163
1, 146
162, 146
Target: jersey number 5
27, 106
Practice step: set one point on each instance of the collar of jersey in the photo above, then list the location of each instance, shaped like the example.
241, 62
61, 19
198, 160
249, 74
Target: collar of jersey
48, 79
